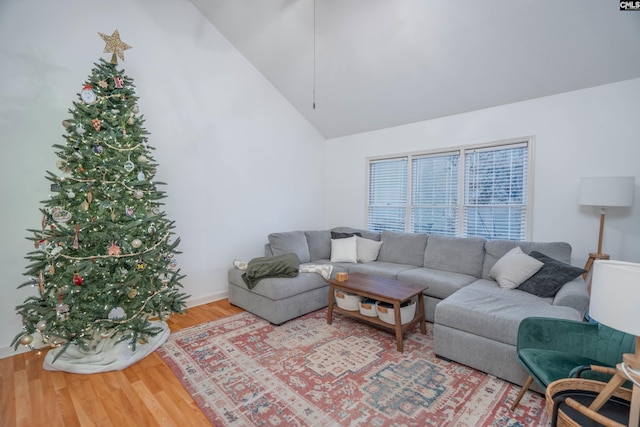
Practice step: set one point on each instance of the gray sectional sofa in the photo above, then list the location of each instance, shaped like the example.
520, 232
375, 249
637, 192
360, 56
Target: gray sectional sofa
475, 320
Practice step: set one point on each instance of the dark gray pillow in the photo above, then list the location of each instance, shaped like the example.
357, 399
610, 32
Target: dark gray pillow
340, 235
551, 277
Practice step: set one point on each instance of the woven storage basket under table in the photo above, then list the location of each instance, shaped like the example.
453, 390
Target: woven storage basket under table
346, 300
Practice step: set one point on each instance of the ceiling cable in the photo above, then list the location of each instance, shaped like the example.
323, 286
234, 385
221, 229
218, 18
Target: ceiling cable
314, 54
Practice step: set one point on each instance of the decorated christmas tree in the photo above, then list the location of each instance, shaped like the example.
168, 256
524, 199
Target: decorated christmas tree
104, 262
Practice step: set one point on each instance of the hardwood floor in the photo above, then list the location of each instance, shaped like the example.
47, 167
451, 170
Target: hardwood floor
145, 394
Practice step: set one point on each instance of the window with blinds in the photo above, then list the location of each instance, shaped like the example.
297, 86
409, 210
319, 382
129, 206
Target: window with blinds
434, 193
470, 191
387, 205
495, 192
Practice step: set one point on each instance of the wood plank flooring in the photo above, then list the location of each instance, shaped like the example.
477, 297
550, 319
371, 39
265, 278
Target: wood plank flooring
145, 394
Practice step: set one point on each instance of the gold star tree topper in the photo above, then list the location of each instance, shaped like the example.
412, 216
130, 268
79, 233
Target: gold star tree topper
114, 45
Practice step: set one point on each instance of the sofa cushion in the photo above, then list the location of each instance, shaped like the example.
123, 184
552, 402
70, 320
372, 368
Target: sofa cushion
344, 250
280, 288
551, 277
440, 283
402, 248
291, 241
486, 310
514, 268
456, 254
368, 249
495, 249
319, 243
381, 268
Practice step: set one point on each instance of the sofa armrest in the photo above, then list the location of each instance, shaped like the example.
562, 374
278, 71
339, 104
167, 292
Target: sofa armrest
574, 294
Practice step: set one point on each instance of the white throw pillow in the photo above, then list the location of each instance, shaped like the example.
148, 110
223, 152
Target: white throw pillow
367, 249
344, 250
514, 268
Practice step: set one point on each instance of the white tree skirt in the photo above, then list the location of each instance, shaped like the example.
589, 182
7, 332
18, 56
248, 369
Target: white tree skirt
107, 356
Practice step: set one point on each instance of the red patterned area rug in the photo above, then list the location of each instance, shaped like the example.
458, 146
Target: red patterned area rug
243, 371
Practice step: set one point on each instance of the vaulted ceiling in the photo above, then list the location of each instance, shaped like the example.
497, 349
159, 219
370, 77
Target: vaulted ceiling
372, 64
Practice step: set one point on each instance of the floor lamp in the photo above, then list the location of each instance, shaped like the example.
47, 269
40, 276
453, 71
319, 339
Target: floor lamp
605, 192
615, 302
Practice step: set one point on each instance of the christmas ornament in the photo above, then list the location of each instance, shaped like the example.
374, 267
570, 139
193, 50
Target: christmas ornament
103, 84
129, 166
118, 80
114, 250
136, 243
41, 325
142, 158
80, 168
61, 215
114, 45
77, 279
61, 164
71, 194
140, 265
88, 95
26, 339
140, 176
132, 294
62, 310
80, 130
76, 242
138, 194
97, 123
130, 120
135, 109
84, 205
89, 195
66, 124
56, 250
116, 313
52, 270
54, 187
128, 211
97, 149
152, 229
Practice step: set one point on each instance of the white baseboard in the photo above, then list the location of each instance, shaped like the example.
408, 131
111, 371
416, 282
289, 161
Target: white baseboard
9, 351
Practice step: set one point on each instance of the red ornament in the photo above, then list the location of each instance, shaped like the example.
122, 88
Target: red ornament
77, 280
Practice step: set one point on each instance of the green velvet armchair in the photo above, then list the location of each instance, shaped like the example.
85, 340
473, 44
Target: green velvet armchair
550, 349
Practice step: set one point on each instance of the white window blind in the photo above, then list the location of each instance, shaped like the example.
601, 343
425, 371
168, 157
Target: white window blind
468, 191
495, 192
434, 193
387, 204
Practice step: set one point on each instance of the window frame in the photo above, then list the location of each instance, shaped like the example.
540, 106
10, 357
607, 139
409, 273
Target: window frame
528, 141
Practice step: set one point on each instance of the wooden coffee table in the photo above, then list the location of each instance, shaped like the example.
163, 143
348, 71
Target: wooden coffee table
381, 289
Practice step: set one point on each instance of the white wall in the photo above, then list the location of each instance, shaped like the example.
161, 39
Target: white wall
592, 132
229, 146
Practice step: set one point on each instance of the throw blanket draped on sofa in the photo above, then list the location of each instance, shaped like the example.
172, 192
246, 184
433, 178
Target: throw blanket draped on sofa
285, 265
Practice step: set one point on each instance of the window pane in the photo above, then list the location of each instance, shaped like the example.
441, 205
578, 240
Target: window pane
387, 194
434, 194
495, 193
496, 222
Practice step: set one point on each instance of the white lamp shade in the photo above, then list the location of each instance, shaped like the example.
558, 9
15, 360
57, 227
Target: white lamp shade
607, 191
615, 295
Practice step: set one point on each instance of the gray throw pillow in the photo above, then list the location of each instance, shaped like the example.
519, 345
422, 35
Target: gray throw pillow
551, 277
291, 241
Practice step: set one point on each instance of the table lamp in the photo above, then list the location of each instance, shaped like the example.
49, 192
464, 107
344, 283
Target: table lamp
616, 191
615, 302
